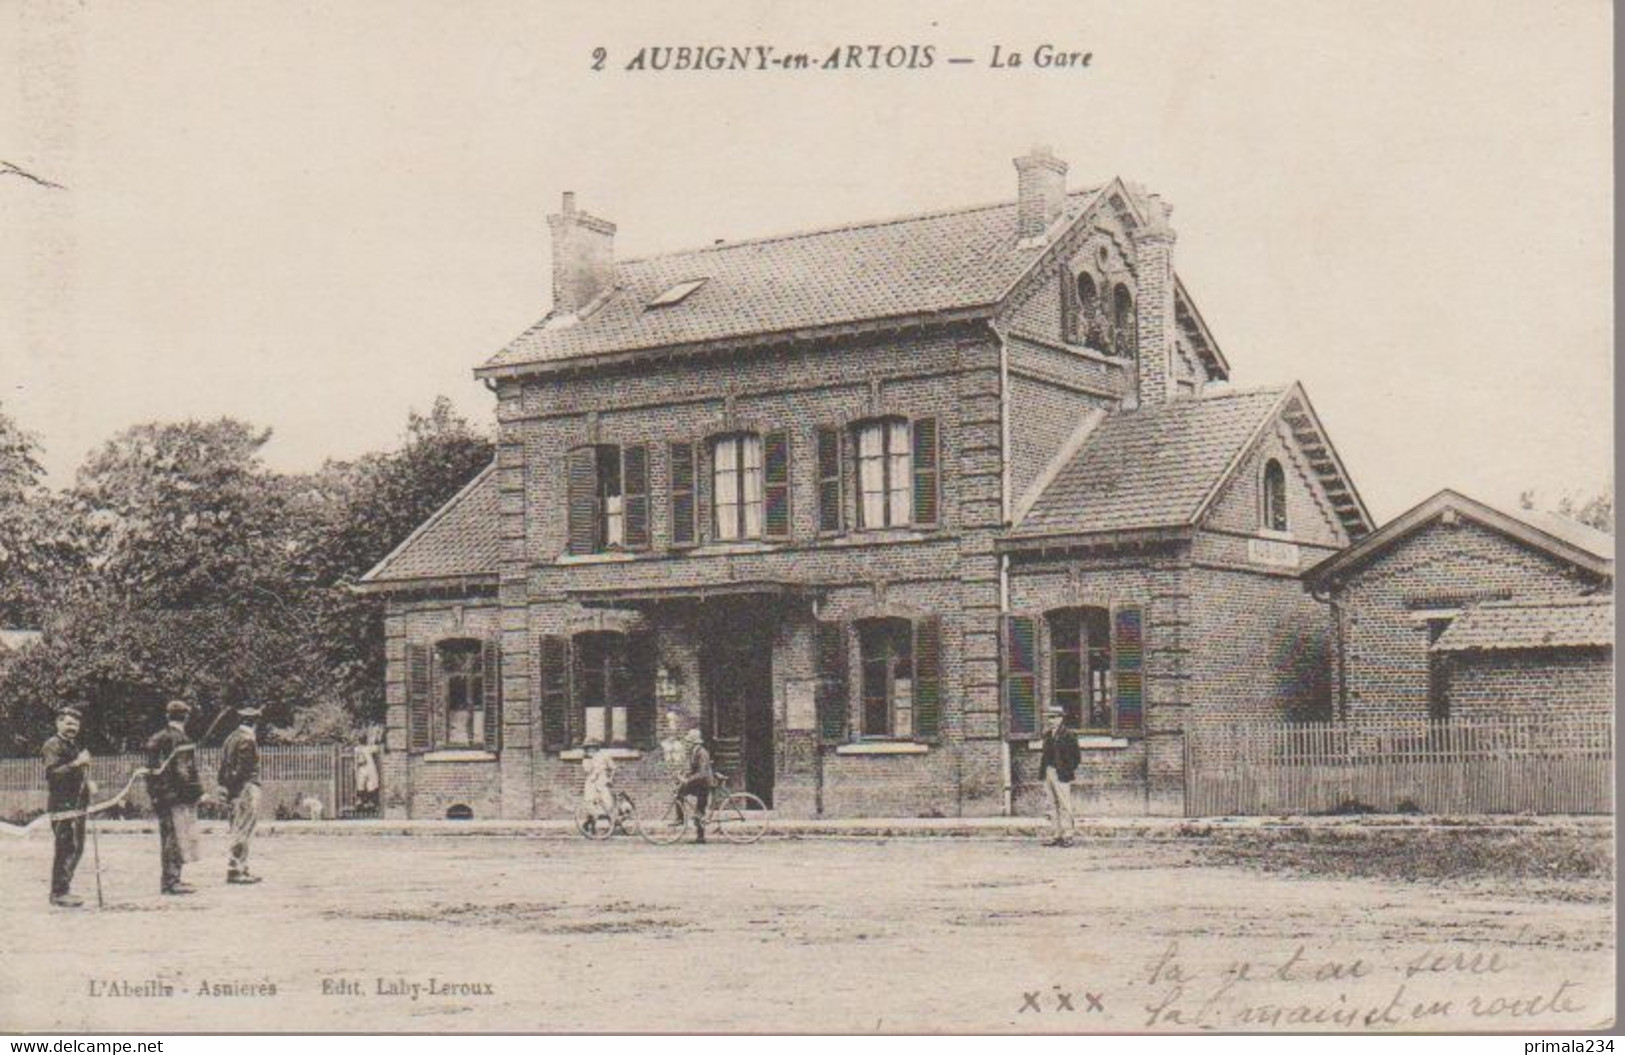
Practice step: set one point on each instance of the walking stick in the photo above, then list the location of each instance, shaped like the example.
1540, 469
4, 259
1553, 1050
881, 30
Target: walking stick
95, 848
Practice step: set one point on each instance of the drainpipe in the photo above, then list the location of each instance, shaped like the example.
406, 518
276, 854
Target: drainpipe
1007, 776
1339, 662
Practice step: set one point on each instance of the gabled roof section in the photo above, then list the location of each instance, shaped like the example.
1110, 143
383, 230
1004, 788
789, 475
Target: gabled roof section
1553, 622
1163, 466
932, 267
1562, 538
460, 543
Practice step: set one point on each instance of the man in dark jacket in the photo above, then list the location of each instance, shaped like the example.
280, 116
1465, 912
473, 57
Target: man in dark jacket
1059, 764
173, 784
240, 780
68, 790
699, 780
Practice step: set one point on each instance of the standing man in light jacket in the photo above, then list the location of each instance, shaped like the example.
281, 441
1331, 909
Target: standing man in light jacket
1059, 764
240, 779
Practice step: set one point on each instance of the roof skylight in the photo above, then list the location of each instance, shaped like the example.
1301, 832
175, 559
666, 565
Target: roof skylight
676, 294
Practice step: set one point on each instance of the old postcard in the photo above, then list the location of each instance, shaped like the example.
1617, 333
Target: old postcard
858, 518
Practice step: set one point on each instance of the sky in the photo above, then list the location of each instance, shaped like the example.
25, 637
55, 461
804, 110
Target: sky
317, 217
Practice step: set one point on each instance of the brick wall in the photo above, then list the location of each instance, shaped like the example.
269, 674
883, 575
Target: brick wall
1385, 647
1531, 684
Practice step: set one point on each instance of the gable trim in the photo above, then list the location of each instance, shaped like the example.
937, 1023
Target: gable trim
1327, 572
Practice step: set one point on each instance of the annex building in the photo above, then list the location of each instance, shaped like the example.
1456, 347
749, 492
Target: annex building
859, 503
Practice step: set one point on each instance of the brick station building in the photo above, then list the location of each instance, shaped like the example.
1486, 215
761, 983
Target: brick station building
859, 503
1457, 609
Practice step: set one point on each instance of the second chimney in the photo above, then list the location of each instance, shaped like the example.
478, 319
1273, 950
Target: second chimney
1041, 182
583, 257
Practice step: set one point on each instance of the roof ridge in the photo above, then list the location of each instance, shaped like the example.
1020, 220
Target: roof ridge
1560, 601
812, 232
430, 521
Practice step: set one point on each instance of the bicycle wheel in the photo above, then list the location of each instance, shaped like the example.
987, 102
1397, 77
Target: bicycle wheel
740, 818
594, 824
667, 828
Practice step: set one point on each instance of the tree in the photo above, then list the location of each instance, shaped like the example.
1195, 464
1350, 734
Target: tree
1596, 510
40, 544
383, 500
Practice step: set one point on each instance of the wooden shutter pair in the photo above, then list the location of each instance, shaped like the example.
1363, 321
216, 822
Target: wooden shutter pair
832, 460
584, 507
633, 686
833, 693
424, 707
1019, 653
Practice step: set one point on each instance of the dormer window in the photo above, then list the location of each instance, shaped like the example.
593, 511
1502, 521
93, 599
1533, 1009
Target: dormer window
1124, 341
676, 294
1273, 513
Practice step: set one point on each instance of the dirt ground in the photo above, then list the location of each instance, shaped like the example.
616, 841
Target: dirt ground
900, 934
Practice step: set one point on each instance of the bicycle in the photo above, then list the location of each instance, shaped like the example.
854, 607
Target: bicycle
596, 824
735, 816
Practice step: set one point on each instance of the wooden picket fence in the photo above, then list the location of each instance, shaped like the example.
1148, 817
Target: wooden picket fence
288, 773
1504, 765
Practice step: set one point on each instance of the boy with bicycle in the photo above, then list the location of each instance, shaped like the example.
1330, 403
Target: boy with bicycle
699, 780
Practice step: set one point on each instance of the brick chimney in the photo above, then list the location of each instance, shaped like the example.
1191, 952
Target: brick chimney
1154, 321
583, 257
1041, 182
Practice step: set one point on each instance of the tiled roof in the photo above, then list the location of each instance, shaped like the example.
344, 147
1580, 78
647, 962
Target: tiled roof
1150, 467
461, 540
938, 262
1568, 622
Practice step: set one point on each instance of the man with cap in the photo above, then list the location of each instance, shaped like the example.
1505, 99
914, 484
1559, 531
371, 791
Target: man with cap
1059, 764
699, 780
68, 791
240, 780
173, 784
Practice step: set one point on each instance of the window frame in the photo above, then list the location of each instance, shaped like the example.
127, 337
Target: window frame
1125, 339
1272, 507
899, 634
742, 472
892, 495
615, 676
1095, 686
472, 651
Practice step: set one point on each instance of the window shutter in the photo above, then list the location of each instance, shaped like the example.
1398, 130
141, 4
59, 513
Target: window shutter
928, 678
1020, 654
830, 499
418, 686
493, 694
831, 699
553, 688
1128, 675
635, 495
683, 528
581, 489
927, 475
641, 717
776, 484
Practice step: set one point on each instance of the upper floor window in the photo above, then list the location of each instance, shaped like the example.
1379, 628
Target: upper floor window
608, 498
1124, 340
1274, 497
736, 486
885, 473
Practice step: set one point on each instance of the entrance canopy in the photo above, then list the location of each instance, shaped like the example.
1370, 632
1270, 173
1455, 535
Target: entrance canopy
652, 595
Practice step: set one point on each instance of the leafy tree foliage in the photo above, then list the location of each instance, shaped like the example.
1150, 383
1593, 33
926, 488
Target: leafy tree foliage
177, 565
1596, 510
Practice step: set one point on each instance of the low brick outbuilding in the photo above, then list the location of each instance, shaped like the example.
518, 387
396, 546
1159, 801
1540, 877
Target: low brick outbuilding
1457, 609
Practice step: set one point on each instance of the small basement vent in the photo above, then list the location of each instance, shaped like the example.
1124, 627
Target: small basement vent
677, 294
460, 812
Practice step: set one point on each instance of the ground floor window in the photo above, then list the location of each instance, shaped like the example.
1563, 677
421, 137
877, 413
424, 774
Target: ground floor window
600, 682
462, 693
886, 655
1081, 667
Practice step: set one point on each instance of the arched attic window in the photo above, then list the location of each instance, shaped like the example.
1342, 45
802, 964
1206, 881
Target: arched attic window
1125, 342
1273, 513
1090, 329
